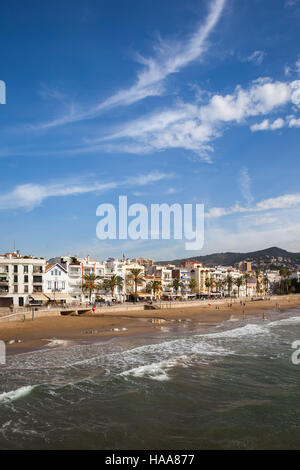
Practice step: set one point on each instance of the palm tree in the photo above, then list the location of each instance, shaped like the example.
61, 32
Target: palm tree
177, 284
136, 276
238, 282
285, 274
89, 283
246, 279
219, 285
155, 287
257, 274
229, 281
265, 283
113, 282
193, 285
208, 284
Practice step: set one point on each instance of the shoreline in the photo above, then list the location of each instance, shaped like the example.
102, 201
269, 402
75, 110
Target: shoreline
61, 331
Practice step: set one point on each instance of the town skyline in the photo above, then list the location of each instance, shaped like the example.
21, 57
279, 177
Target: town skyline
198, 103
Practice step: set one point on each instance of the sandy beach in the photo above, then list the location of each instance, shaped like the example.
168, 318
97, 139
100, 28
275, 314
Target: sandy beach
35, 334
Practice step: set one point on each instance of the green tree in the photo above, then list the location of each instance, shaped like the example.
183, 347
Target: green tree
229, 282
246, 279
239, 282
89, 283
257, 275
176, 284
136, 276
208, 285
193, 285
112, 282
285, 273
155, 287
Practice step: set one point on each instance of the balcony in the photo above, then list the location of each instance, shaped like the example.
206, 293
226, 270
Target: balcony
74, 273
37, 269
37, 289
37, 279
4, 278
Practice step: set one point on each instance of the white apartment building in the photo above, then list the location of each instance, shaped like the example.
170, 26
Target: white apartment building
56, 283
21, 280
163, 274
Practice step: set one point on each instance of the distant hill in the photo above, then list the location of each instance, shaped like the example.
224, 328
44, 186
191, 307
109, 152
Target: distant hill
229, 259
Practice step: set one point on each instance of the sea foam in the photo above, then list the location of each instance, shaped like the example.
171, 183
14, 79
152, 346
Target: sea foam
16, 394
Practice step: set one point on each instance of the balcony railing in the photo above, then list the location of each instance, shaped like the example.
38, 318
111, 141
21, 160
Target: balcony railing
37, 269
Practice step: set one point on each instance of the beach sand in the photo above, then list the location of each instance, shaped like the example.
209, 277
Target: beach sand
35, 334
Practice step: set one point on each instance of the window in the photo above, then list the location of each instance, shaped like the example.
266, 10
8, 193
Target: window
26, 279
26, 269
49, 284
15, 289
37, 269
52, 273
25, 289
15, 278
37, 279
15, 268
55, 285
63, 285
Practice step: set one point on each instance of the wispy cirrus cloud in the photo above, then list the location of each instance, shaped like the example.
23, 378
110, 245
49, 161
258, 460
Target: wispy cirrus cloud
257, 57
194, 127
169, 58
291, 3
30, 195
285, 201
244, 181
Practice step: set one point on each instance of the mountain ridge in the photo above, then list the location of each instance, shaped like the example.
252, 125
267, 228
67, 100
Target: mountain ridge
230, 258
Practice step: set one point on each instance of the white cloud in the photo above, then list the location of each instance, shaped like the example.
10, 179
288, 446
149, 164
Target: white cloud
194, 126
170, 58
171, 191
247, 238
30, 195
281, 202
259, 221
298, 65
244, 181
256, 57
294, 122
291, 3
266, 125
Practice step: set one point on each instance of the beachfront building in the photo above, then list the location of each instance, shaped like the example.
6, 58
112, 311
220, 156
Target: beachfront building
163, 274
21, 279
146, 262
56, 284
76, 269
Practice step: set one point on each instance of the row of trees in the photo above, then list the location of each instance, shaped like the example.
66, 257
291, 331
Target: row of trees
92, 283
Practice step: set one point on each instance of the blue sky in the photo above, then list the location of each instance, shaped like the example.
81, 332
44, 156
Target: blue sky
195, 101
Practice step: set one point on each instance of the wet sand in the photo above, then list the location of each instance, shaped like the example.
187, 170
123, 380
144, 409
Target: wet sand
35, 334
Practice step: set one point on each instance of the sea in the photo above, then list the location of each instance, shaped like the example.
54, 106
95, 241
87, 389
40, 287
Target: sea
230, 386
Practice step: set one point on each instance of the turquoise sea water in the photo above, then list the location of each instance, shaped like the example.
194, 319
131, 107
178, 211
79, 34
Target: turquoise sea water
233, 386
